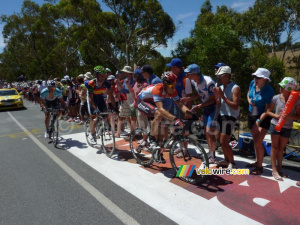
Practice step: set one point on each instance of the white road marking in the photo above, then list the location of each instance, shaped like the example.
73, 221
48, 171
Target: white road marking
113, 208
156, 190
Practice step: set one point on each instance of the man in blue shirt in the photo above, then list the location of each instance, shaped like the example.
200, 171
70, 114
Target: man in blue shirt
183, 86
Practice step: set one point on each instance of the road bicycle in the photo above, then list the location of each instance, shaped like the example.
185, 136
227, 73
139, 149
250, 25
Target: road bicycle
104, 132
184, 150
53, 125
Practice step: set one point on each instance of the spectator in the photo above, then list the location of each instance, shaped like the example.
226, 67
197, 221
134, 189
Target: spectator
259, 97
183, 86
281, 138
228, 97
204, 86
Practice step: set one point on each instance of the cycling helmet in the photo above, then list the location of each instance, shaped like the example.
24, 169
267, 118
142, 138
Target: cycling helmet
169, 78
99, 70
51, 83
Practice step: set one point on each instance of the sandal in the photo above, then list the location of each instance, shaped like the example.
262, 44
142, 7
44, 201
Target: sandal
249, 165
277, 176
298, 183
282, 174
257, 171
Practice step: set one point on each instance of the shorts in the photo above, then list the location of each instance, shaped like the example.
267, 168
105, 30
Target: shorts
148, 109
227, 124
84, 109
124, 109
208, 118
111, 108
72, 102
265, 124
284, 132
52, 104
132, 112
99, 103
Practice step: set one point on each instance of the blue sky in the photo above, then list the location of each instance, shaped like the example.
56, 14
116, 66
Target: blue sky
185, 11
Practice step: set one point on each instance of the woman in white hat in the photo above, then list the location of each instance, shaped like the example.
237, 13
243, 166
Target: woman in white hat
259, 97
281, 138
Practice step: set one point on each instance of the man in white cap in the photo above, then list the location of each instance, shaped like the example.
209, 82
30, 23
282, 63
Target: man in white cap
228, 97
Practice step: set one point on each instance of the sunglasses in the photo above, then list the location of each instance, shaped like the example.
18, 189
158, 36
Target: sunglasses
171, 85
258, 78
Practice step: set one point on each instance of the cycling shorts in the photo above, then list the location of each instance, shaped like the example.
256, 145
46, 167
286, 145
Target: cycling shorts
208, 118
52, 104
99, 103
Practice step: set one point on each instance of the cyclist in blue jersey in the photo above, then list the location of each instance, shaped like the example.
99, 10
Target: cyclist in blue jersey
51, 97
98, 89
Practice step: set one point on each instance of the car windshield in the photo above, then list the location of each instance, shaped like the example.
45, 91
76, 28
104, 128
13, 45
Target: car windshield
8, 92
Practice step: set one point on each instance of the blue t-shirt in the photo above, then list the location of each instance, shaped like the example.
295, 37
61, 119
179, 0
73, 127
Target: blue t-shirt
260, 98
45, 94
153, 79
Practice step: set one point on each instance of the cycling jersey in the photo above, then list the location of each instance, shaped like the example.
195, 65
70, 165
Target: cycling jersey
156, 93
151, 94
51, 102
99, 94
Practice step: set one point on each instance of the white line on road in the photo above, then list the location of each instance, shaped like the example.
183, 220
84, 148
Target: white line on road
113, 208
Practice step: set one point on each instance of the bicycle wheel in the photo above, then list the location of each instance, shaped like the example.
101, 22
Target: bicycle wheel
140, 147
55, 132
189, 153
87, 131
50, 127
107, 139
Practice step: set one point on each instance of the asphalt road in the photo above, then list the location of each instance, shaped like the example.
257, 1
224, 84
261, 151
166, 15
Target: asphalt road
41, 184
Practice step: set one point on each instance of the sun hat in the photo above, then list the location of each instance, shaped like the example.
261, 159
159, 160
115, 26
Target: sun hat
67, 77
193, 68
88, 76
262, 73
175, 62
223, 70
289, 84
127, 69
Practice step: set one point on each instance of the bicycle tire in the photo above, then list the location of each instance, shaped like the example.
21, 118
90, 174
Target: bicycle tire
50, 127
142, 154
107, 134
87, 132
55, 132
195, 155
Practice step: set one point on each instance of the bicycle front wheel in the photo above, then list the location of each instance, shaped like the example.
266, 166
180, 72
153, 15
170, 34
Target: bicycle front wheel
108, 139
87, 132
140, 147
186, 157
55, 132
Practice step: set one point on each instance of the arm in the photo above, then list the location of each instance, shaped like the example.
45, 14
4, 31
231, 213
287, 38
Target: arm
129, 87
236, 97
249, 100
270, 112
184, 109
111, 97
91, 99
190, 98
62, 102
164, 112
43, 104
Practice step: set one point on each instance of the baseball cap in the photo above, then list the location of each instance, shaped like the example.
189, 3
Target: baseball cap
193, 68
138, 72
111, 77
220, 64
223, 70
175, 62
263, 73
147, 69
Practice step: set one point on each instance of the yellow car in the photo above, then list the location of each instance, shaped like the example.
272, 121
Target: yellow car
10, 99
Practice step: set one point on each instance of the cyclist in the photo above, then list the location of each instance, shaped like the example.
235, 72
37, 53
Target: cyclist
150, 102
97, 90
51, 97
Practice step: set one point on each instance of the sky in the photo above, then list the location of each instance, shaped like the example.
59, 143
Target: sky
185, 11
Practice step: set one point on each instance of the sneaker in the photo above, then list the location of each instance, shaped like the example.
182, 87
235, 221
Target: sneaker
81, 123
181, 155
154, 145
212, 160
70, 120
92, 139
177, 151
162, 159
46, 134
231, 166
142, 143
223, 163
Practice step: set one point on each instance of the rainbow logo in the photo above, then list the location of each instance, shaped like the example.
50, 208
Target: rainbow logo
185, 171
